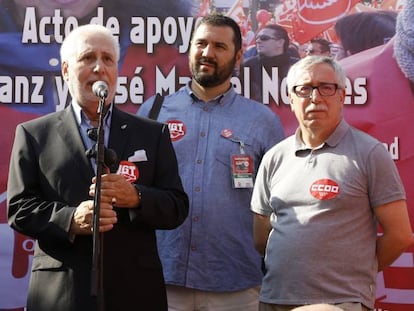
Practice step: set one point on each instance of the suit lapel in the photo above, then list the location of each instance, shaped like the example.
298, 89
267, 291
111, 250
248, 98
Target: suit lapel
120, 133
67, 128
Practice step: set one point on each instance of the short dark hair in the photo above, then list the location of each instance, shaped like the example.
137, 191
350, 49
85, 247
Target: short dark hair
365, 30
325, 44
280, 32
221, 21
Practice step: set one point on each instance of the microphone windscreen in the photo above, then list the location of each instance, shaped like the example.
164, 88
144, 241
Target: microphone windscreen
100, 89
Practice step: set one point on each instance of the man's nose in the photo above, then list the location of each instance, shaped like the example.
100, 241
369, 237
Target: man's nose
207, 50
98, 66
315, 93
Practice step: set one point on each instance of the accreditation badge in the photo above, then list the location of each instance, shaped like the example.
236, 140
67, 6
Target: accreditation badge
242, 171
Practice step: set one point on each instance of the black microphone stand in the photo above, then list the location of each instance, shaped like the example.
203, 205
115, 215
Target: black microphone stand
97, 262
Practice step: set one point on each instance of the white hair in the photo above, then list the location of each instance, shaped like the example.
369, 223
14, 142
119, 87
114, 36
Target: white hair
304, 64
67, 49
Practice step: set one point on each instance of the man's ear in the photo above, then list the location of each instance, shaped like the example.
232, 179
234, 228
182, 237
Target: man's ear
342, 95
64, 70
239, 58
290, 102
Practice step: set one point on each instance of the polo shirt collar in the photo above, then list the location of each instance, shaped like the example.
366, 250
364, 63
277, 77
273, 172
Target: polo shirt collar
331, 141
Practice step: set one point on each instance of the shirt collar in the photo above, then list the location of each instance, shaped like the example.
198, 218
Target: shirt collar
82, 119
222, 99
331, 141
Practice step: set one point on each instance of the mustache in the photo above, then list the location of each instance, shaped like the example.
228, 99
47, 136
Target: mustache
316, 107
207, 60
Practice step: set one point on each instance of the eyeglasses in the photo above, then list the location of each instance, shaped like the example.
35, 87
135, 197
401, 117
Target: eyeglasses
324, 89
266, 38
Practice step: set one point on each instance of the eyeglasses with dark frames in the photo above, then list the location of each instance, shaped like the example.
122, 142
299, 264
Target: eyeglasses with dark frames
324, 89
266, 38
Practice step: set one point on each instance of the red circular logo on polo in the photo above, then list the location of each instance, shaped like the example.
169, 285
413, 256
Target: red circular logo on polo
324, 189
177, 129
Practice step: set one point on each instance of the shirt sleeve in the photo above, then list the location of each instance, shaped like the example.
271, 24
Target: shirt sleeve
260, 202
385, 184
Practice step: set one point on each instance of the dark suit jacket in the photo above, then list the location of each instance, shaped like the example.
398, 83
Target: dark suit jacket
50, 175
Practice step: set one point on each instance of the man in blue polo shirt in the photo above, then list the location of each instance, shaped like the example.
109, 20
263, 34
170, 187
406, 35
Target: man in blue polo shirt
220, 137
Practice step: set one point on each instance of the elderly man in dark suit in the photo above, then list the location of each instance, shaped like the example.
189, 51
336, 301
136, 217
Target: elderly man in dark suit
51, 185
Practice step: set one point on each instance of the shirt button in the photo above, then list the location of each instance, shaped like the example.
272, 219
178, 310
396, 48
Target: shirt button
197, 189
205, 108
193, 247
195, 218
202, 134
199, 161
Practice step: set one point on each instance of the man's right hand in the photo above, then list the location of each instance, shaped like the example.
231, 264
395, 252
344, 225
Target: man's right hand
82, 222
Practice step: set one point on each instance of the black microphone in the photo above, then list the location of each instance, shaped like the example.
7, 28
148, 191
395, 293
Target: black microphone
110, 157
100, 89
92, 133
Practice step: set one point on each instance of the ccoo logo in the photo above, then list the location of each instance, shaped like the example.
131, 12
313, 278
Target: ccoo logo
177, 129
324, 189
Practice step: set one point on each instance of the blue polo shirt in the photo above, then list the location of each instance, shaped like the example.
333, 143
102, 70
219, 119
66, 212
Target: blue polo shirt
213, 250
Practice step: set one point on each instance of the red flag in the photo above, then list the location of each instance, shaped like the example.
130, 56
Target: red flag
236, 12
311, 17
